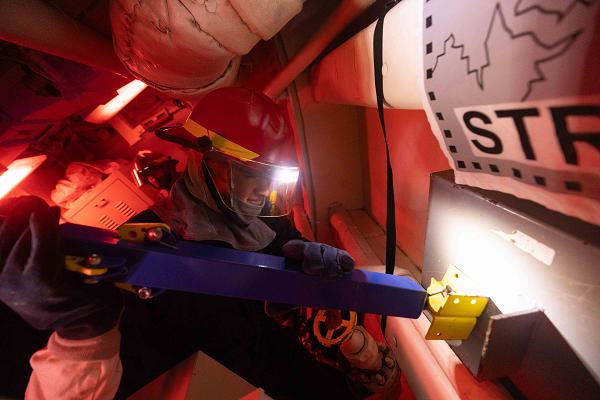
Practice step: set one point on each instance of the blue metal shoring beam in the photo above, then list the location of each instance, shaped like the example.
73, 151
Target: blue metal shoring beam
198, 268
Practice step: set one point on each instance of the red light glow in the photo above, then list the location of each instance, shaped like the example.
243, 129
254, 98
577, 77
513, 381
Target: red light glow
104, 112
17, 171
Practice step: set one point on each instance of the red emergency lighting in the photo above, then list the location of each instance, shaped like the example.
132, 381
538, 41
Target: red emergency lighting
17, 171
105, 112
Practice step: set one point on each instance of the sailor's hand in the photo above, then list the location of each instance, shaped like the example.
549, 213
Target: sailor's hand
319, 259
33, 279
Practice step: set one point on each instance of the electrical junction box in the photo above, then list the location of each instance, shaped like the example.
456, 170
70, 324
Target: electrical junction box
540, 270
109, 204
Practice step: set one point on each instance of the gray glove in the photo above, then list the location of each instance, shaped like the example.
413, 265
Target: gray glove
34, 282
318, 258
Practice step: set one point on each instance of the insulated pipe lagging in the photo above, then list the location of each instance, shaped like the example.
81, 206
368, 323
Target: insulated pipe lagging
346, 76
426, 379
37, 25
189, 48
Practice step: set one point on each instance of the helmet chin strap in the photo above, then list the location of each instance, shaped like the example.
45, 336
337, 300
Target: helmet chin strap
228, 212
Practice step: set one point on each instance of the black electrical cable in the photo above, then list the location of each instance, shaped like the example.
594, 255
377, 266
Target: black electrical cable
390, 245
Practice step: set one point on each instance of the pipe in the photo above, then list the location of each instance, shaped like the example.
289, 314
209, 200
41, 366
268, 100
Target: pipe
348, 234
422, 372
337, 21
361, 350
189, 48
456, 372
36, 25
345, 76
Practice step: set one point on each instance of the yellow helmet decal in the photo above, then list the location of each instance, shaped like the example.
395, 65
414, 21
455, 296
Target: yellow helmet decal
219, 142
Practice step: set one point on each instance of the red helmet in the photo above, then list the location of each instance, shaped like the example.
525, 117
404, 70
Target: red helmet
247, 148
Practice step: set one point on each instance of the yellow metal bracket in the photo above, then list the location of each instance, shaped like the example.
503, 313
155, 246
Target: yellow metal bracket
83, 266
96, 267
454, 306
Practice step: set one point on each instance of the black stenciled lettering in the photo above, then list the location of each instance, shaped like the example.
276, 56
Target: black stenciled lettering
497, 147
518, 117
566, 138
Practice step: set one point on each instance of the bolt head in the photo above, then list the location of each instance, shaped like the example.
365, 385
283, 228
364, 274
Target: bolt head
144, 293
94, 259
154, 234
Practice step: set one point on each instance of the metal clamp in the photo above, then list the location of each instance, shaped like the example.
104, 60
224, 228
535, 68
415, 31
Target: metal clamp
453, 308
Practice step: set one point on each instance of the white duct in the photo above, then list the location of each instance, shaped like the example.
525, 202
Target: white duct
186, 48
345, 76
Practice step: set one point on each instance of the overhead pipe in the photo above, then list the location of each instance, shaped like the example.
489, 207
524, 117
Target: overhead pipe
347, 11
187, 49
37, 25
346, 75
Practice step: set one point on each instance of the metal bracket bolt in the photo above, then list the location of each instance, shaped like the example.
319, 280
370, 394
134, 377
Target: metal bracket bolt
144, 293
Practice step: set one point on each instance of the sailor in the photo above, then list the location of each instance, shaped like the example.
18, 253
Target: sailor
237, 192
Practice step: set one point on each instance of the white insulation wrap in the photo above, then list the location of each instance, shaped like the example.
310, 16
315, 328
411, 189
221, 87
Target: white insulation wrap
345, 76
266, 18
186, 48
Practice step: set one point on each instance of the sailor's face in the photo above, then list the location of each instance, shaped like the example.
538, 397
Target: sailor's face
250, 187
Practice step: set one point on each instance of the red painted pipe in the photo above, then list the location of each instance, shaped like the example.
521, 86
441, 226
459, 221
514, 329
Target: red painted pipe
37, 25
337, 21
